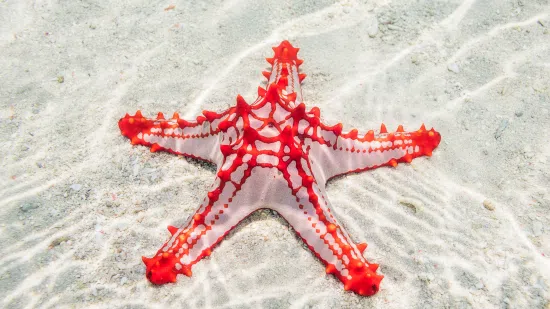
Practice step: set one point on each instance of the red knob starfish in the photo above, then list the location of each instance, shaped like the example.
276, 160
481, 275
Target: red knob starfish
273, 154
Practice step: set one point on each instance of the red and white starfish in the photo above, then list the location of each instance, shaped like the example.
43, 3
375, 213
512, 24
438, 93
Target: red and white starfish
273, 154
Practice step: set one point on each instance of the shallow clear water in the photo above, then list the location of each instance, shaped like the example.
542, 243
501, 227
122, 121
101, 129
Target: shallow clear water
79, 205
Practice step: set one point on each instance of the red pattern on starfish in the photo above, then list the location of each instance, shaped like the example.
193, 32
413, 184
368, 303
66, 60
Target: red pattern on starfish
273, 154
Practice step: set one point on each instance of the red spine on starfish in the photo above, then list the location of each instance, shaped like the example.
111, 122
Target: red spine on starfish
273, 154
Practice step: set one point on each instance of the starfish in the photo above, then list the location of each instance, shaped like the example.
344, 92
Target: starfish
273, 154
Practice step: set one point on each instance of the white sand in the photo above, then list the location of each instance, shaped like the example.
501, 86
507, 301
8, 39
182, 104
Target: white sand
79, 205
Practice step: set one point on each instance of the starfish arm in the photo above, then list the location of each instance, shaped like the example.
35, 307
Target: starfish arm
235, 194
307, 210
219, 213
341, 153
195, 139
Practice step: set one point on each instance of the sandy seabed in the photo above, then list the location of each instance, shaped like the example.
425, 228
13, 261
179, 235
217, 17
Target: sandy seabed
79, 205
